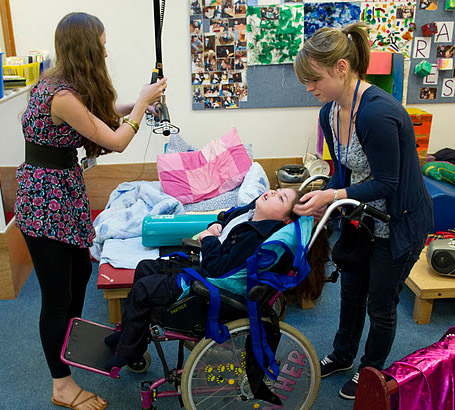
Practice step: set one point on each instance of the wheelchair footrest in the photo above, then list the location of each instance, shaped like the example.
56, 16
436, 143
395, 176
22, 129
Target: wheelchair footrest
85, 348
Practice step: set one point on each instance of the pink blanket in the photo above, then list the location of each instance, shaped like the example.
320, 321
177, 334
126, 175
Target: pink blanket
194, 176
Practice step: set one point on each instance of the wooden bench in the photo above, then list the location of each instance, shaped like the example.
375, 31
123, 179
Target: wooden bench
427, 285
116, 284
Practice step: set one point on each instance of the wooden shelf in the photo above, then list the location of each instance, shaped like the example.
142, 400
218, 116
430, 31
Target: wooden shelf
15, 262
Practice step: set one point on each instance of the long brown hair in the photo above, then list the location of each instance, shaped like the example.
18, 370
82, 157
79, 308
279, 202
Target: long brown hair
328, 45
311, 287
80, 62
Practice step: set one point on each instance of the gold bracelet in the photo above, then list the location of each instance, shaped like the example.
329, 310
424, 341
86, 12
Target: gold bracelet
133, 124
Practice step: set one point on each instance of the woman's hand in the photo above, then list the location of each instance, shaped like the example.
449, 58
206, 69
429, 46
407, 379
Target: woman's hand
153, 109
151, 93
312, 203
319, 214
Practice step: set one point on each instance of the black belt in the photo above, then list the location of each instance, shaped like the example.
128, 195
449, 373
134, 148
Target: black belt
49, 157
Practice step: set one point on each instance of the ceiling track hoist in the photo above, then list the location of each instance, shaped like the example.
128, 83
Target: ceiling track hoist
161, 122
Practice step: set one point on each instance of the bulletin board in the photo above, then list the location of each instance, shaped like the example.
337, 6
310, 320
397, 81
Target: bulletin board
242, 50
439, 85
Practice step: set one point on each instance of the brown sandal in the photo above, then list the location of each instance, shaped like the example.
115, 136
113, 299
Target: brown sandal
75, 406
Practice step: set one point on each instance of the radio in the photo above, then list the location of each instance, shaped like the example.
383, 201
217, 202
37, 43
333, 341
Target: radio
291, 176
441, 256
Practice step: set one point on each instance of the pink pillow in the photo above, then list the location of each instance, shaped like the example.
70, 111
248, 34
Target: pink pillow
194, 176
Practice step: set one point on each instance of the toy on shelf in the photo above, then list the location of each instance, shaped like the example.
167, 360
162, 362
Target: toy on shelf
423, 68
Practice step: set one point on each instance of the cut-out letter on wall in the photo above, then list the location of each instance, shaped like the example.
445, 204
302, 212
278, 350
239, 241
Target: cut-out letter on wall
448, 88
432, 78
445, 32
422, 47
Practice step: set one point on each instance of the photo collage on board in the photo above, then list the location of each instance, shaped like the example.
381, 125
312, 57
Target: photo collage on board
218, 52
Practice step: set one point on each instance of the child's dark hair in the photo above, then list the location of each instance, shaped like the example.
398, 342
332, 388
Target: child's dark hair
311, 288
292, 214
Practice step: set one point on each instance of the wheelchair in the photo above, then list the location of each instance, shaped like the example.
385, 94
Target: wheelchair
214, 375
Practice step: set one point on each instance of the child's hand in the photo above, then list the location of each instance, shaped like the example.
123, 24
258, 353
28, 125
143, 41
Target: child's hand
215, 229
203, 234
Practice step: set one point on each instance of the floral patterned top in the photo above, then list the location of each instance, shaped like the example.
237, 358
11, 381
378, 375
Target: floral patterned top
52, 202
357, 162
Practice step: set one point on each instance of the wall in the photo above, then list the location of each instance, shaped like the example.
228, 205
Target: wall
282, 132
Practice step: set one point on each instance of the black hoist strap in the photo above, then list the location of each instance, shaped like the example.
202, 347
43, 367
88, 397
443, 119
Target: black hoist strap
158, 14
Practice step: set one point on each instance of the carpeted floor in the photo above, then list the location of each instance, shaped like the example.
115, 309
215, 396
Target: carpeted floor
26, 384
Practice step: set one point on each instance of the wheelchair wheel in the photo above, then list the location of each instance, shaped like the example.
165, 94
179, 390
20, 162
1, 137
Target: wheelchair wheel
142, 365
214, 375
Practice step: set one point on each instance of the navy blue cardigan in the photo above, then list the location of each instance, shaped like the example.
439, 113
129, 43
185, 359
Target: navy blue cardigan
239, 245
386, 134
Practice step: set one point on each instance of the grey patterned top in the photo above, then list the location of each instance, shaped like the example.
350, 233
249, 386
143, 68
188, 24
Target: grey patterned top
357, 162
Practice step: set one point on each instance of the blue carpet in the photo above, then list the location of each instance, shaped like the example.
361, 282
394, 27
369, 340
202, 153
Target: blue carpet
26, 382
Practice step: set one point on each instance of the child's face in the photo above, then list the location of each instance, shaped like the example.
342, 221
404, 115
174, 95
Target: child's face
275, 205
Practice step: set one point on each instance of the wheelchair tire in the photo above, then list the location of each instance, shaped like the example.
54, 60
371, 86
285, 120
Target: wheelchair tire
214, 375
141, 366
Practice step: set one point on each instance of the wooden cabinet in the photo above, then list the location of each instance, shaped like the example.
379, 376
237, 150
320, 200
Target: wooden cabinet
15, 262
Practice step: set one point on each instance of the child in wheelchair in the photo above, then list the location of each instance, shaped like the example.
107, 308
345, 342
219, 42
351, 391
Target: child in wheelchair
225, 245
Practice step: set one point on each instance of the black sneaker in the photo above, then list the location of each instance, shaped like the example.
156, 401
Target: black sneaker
329, 366
350, 387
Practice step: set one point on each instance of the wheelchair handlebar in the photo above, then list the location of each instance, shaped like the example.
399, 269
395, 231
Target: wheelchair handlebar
376, 213
360, 208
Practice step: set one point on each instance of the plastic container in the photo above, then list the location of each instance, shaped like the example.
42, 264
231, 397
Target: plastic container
169, 230
29, 71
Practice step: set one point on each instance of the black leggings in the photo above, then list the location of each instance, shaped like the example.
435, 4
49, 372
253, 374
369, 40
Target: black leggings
63, 272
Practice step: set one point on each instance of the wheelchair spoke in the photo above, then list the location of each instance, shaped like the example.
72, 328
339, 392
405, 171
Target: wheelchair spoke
215, 375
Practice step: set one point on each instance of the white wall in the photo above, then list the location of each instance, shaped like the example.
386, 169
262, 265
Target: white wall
130, 42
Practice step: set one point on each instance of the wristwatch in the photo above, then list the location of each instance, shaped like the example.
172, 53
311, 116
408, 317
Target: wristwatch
335, 196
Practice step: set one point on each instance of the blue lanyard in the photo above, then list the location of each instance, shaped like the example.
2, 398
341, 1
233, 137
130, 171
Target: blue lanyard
343, 174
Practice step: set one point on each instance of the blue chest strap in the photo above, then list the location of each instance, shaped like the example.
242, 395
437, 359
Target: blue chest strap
215, 330
277, 281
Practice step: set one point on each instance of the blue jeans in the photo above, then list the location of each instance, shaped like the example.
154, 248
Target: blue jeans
376, 292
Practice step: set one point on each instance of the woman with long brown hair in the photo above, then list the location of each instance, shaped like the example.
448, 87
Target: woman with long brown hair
73, 105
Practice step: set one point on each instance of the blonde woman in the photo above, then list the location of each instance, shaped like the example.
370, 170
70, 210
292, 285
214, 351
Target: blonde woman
371, 141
